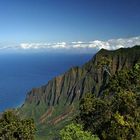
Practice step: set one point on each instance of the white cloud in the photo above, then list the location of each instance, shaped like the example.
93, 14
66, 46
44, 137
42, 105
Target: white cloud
96, 44
99, 44
59, 45
75, 46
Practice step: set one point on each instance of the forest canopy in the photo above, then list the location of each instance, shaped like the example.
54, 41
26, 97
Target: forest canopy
12, 127
115, 115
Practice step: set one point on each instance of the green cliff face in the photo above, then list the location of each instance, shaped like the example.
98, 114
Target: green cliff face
54, 104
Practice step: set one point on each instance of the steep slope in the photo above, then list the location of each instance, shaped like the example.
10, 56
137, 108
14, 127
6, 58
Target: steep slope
54, 104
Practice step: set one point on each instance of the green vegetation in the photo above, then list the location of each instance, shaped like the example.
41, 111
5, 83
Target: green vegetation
76, 132
14, 128
116, 114
125, 80
117, 117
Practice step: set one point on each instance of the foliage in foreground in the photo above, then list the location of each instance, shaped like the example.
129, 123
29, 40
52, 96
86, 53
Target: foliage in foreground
117, 118
76, 132
116, 114
14, 128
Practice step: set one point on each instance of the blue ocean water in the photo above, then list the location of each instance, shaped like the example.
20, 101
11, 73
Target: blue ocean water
20, 72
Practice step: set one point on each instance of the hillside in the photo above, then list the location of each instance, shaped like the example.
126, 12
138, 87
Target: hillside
54, 104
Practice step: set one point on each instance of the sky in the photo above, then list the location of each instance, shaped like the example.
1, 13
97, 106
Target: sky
41, 21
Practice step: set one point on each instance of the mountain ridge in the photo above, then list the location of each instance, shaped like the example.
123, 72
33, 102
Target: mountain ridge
58, 100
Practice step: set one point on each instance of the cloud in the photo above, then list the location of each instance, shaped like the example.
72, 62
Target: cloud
77, 46
43, 45
96, 44
99, 44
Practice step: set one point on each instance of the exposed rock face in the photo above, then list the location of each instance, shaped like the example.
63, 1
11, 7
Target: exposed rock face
65, 90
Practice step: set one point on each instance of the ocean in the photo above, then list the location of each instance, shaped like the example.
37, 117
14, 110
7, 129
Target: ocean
20, 72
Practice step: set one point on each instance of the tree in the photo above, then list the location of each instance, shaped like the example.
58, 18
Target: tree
127, 79
114, 118
75, 132
105, 64
116, 114
14, 128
